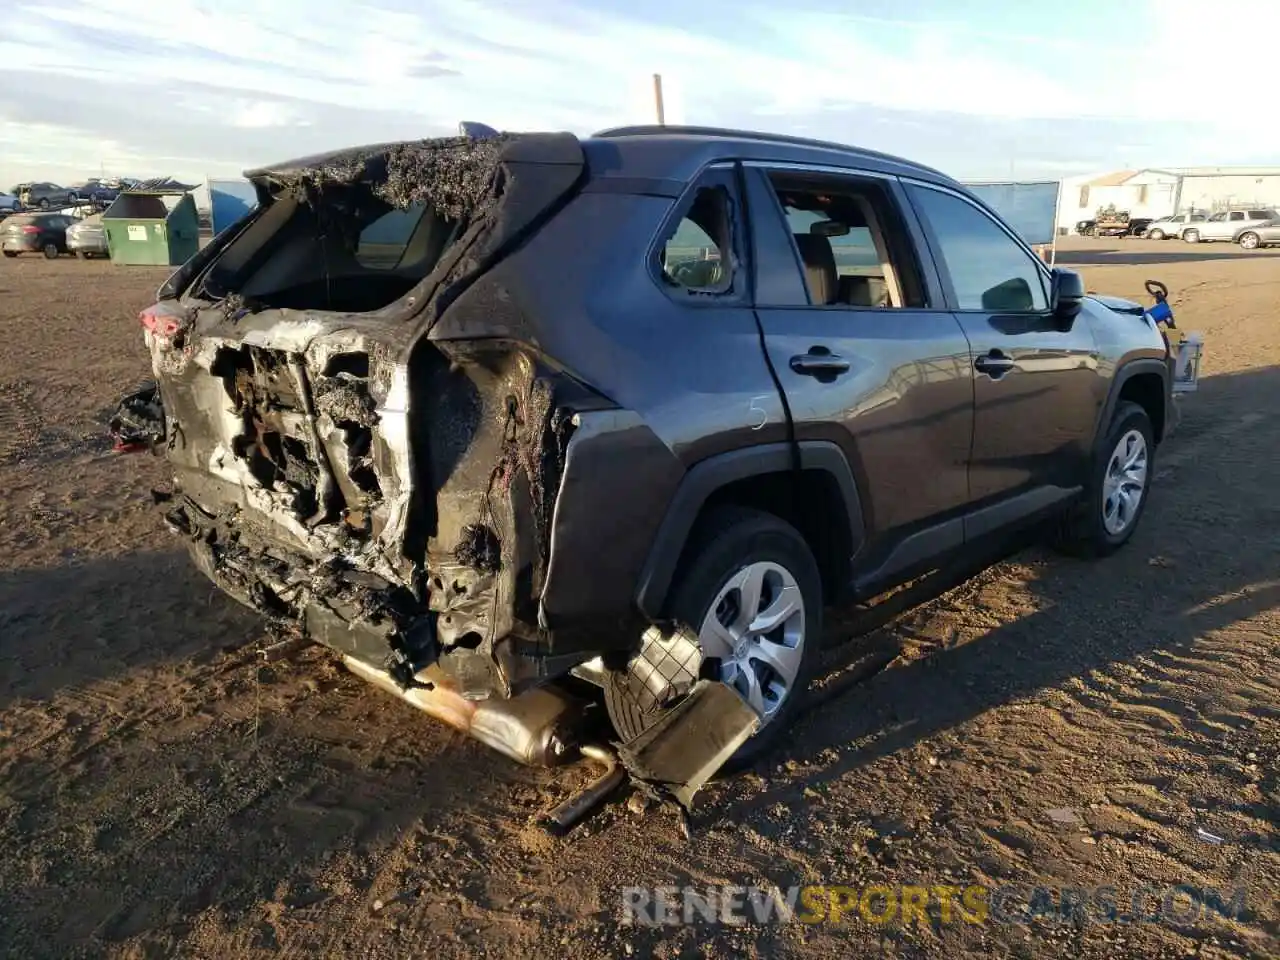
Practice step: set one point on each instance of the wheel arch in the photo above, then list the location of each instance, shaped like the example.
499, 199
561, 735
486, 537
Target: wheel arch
1145, 381
764, 477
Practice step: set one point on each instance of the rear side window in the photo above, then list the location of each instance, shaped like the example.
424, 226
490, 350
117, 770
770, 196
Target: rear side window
850, 242
1237, 215
697, 255
990, 271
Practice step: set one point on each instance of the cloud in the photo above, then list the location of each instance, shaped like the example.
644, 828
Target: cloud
140, 87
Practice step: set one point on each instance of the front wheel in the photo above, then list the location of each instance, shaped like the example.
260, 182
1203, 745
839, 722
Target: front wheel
751, 589
51, 251
1155, 235
1116, 494
11, 254
1249, 240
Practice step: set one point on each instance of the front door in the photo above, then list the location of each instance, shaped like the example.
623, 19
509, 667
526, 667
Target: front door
1221, 225
868, 356
1037, 391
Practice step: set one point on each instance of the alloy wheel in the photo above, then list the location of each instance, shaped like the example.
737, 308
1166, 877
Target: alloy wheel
1125, 482
756, 629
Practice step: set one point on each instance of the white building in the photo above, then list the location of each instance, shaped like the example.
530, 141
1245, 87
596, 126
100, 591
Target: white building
1155, 192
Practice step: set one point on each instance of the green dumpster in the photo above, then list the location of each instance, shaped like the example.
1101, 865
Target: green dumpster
159, 227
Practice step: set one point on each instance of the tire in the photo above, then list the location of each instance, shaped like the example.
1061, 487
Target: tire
1249, 240
1155, 235
1191, 236
11, 254
1092, 528
51, 251
732, 542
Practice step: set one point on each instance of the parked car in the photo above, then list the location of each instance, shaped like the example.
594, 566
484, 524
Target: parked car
1172, 225
9, 203
94, 190
1228, 224
1138, 227
533, 416
1264, 234
43, 195
35, 233
1085, 228
88, 238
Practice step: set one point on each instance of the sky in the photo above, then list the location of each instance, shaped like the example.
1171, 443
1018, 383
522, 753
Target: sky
977, 88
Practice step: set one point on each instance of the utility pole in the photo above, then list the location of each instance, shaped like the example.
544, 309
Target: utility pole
657, 99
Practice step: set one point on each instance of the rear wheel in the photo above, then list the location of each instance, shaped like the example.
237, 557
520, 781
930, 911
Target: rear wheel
81, 255
1104, 520
1250, 240
751, 589
51, 251
1191, 236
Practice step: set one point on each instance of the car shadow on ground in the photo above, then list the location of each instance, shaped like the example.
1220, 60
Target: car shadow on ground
198, 778
88, 622
1218, 569
1178, 252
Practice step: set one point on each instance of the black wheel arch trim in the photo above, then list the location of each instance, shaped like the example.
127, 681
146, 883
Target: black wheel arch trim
709, 475
1131, 369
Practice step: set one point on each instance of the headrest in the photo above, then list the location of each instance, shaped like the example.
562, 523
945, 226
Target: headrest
819, 267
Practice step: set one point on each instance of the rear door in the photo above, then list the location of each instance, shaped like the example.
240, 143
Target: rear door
868, 355
1037, 391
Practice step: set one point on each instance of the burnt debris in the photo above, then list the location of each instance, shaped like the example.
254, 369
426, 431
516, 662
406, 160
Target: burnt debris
453, 175
138, 423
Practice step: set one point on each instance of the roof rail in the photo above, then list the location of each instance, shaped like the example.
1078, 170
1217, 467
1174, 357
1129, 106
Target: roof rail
653, 129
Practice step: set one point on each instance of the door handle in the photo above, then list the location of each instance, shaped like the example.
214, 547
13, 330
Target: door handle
819, 362
994, 364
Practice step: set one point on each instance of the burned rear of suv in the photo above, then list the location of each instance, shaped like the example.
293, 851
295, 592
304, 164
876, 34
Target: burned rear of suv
341, 463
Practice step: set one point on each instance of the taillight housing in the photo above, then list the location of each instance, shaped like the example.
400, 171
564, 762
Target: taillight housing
30, 228
163, 320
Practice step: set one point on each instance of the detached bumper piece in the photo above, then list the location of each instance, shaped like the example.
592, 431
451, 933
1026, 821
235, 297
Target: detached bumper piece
674, 758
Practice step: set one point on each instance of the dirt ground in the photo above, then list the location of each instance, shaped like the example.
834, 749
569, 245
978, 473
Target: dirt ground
161, 794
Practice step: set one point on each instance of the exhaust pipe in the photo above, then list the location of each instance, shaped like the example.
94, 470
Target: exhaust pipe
560, 820
538, 728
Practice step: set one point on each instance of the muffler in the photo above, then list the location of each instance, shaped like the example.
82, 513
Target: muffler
538, 728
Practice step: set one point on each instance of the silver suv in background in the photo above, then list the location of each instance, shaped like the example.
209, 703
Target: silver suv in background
1265, 234
1173, 225
1229, 224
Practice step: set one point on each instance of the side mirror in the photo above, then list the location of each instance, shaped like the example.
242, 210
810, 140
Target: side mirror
1066, 294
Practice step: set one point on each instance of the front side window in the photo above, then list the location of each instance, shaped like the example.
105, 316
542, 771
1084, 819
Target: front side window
989, 270
1237, 214
697, 255
1218, 218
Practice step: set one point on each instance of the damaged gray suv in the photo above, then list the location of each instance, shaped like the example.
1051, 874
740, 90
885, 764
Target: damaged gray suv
493, 416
